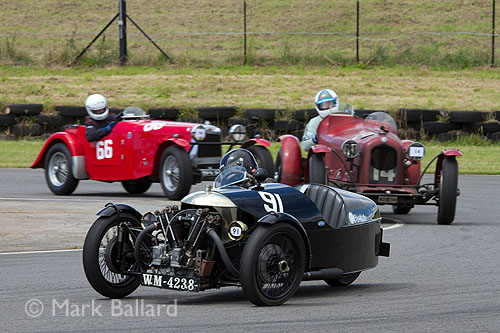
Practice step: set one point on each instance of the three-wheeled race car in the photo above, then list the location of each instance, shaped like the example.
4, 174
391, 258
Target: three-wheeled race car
366, 156
264, 237
140, 151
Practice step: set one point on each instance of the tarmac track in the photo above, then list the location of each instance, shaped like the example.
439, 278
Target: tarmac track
442, 278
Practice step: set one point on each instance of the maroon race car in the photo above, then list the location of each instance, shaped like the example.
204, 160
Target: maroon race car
140, 151
367, 157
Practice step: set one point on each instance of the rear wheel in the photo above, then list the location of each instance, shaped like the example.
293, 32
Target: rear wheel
448, 191
58, 172
317, 171
272, 264
263, 157
344, 281
104, 268
176, 173
136, 186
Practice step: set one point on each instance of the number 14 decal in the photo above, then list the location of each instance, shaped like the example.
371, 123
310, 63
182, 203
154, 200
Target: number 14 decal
273, 202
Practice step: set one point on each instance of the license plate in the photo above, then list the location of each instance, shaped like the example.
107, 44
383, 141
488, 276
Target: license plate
388, 199
170, 282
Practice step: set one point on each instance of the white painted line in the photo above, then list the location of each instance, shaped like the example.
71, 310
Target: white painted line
394, 226
47, 251
54, 200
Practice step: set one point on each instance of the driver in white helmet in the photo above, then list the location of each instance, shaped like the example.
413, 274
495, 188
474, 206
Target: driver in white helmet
326, 102
100, 121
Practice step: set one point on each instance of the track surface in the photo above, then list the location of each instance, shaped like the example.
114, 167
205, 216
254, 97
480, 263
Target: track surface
442, 278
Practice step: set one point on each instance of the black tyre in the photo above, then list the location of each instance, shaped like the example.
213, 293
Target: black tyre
164, 113
343, 282
277, 166
24, 109
466, 117
58, 172
304, 114
272, 264
176, 173
448, 191
264, 158
103, 269
317, 171
261, 114
136, 186
216, 113
401, 209
71, 111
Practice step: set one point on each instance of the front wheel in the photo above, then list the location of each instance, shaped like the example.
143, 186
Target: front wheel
58, 172
448, 191
136, 186
104, 267
344, 281
272, 264
317, 171
278, 167
264, 158
176, 173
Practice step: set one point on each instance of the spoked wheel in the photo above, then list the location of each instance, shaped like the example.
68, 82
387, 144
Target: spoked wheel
317, 171
401, 209
104, 266
176, 174
136, 186
272, 264
448, 191
264, 158
344, 281
58, 172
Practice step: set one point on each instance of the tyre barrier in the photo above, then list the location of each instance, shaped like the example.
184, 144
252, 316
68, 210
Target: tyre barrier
216, 113
24, 109
415, 124
164, 113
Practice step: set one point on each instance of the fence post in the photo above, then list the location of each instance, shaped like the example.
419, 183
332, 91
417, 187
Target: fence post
493, 35
244, 32
122, 31
357, 32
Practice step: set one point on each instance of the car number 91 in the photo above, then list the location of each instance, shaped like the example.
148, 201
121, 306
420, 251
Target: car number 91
170, 282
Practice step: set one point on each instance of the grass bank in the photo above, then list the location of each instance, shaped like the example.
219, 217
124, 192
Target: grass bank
480, 157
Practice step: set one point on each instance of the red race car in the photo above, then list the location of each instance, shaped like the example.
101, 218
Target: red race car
140, 151
367, 157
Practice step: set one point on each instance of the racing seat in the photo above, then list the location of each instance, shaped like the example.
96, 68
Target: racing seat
329, 203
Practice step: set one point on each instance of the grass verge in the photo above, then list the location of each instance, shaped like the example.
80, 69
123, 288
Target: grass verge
479, 157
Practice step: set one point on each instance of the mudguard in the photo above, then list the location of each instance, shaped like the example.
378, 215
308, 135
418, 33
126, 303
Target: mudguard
253, 141
290, 160
70, 140
111, 209
452, 153
180, 142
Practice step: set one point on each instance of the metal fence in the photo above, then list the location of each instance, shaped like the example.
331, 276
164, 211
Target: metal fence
253, 32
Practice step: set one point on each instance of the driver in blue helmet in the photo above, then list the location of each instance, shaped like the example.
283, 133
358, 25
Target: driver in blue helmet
326, 103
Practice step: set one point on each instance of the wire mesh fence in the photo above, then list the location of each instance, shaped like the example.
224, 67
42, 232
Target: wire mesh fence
275, 32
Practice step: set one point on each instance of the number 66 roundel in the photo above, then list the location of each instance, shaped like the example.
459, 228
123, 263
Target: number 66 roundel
272, 201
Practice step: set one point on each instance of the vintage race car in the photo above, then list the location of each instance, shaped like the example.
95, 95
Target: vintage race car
367, 157
140, 151
264, 237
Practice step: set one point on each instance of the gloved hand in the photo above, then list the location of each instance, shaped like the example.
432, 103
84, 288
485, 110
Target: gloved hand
109, 127
315, 138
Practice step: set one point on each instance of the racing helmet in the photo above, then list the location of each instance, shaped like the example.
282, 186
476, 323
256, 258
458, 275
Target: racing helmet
241, 157
326, 102
97, 107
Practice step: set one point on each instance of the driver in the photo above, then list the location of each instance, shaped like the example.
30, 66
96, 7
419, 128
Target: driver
239, 157
100, 121
326, 102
